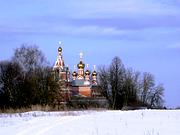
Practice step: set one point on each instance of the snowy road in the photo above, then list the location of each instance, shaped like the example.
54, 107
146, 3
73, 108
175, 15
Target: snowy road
143, 122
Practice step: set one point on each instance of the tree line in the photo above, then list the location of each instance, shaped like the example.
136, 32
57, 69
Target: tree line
26, 80
127, 87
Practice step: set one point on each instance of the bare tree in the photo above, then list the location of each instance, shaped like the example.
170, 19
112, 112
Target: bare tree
147, 86
131, 86
111, 81
116, 79
29, 57
10, 79
35, 84
125, 87
103, 82
151, 94
156, 97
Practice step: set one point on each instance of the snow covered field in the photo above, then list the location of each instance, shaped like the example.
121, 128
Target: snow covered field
140, 122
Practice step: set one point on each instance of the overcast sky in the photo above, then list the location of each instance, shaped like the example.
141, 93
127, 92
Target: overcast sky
145, 34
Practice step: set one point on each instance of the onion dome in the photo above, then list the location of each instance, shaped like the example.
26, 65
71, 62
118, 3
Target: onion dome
94, 73
81, 65
87, 72
60, 49
74, 73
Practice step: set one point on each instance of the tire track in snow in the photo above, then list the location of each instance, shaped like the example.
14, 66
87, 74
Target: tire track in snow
32, 127
49, 128
45, 125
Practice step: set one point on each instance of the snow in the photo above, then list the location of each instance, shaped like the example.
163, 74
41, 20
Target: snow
139, 122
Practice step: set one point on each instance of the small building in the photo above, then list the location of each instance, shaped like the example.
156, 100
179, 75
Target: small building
80, 83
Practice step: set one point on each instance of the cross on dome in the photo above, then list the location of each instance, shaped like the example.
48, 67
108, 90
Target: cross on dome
81, 56
94, 67
74, 67
59, 42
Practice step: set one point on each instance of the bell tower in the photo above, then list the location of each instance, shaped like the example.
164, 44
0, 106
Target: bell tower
59, 64
61, 71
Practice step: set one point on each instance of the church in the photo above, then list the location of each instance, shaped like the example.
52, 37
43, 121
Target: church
80, 83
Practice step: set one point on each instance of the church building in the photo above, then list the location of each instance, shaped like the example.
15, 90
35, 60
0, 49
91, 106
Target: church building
80, 83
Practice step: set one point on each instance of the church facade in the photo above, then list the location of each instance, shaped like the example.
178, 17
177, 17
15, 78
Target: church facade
79, 83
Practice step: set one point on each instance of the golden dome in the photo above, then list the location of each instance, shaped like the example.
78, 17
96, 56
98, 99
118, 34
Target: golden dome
81, 65
74, 73
87, 72
60, 49
94, 73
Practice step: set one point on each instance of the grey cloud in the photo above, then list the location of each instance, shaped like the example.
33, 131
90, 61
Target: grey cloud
132, 22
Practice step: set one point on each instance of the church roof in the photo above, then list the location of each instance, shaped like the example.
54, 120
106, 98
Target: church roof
79, 82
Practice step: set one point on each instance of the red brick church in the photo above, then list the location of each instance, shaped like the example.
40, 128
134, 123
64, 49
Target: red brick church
81, 83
